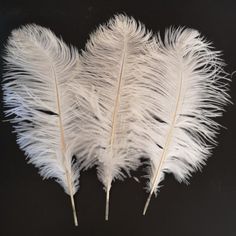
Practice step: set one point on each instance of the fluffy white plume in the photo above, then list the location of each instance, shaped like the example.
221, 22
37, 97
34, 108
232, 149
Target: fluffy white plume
111, 64
189, 89
37, 91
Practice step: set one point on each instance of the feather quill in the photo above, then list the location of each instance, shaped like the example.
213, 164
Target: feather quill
111, 64
37, 92
190, 90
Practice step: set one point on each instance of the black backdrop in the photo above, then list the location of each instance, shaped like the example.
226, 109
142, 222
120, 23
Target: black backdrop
207, 207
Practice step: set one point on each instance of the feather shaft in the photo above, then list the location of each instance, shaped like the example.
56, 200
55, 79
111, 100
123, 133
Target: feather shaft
64, 148
165, 148
72, 199
108, 188
114, 122
117, 99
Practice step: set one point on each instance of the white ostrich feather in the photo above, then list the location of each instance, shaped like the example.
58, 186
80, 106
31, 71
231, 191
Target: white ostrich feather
111, 63
189, 90
37, 91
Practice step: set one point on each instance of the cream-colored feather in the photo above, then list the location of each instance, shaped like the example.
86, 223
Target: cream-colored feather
190, 89
110, 66
38, 93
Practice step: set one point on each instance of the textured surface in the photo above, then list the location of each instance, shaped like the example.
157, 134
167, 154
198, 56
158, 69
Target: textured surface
207, 207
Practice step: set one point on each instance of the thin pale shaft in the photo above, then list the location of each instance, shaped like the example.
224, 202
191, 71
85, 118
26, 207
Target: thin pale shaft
63, 148
73, 207
114, 123
107, 204
165, 149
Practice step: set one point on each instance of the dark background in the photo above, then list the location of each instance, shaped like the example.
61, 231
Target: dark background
207, 207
